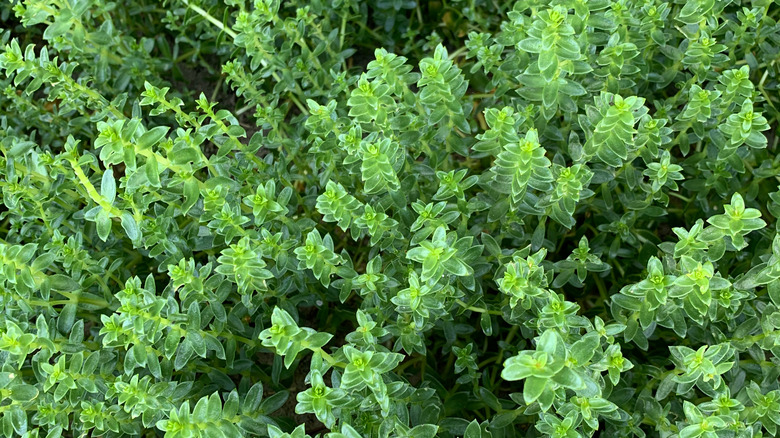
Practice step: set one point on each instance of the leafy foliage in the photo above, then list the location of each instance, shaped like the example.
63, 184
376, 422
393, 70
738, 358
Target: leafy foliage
462, 218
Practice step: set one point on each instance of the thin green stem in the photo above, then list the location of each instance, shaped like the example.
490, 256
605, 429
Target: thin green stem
478, 309
210, 18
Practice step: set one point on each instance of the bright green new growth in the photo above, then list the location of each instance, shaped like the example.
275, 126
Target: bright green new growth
423, 218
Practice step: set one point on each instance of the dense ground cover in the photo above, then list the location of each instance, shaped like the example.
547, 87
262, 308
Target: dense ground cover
389, 218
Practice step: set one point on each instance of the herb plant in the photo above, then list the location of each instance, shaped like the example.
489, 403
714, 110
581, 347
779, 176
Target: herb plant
389, 218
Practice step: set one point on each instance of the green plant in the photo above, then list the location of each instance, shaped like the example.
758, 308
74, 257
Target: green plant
474, 218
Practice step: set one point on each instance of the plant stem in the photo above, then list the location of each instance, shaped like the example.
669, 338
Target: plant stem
478, 309
211, 19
